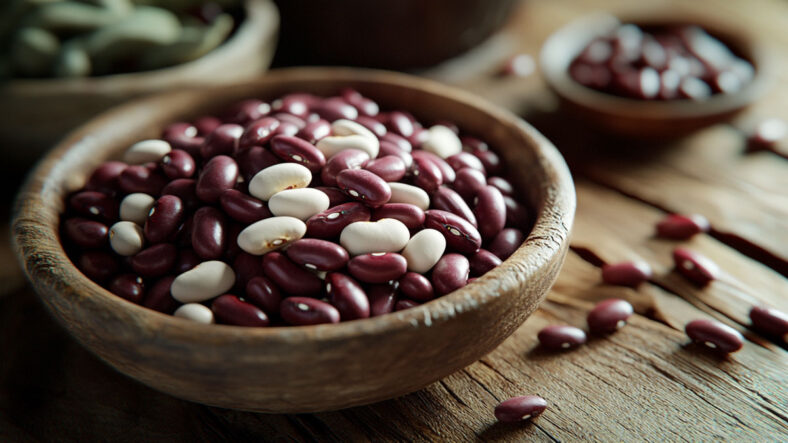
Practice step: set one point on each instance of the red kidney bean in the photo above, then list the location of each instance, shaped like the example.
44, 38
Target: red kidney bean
364, 186
86, 233
609, 316
465, 160
187, 260
128, 286
387, 149
233, 229
447, 199
390, 168
382, 299
105, 177
290, 277
425, 174
209, 237
140, 178
376, 127
403, 304
468, 183
163, 219
206, 124
715, 335
314, 131
682, 227
490, 210
253, 160
490, 160
331, 222
447, 172
296, 104
450, 273
377, 267
626, 273
303, 311
231, 310
296, 150
159, 298
243, 207
520, 408
506, 242
178, 164
416, 287
263, 293
516, 214
186, 190
318, 255
347, 296
471, 144
695, 267
335, 108
399, 141
98, 265
558, 337
183, 136
460, 234
399, 123
483, 261
224, 140
291, 119
365, 106
410, 215
218, 174
246, 111
155, 260
335, 195
347, 159
286, 128
502, 184
770, 321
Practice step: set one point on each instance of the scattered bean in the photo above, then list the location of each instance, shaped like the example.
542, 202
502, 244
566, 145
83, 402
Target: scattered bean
770, 321
715, 335
626, 273
609, 316
695, 267
520, 408
559, 337
682, 227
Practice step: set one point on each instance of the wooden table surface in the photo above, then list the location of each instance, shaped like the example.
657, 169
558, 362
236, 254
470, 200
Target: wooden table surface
644, 382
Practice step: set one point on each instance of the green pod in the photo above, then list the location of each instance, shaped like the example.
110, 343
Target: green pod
194, 42
73, 61
69, 17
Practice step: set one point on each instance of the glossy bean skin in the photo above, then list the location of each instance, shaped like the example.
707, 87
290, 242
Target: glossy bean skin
490, 160
460, 234
365, 106
465, 160
347, 159
297, 104
403, 304
206, 124
483, 261
387, 149
178, 164
187, 260
264, 294
490, 210
105, 177
446, 199
695, 267
128, 286
94, 204
770, 321
399, 123
183, 136
290, 277
447, 172
416, 287
376, 127
231, 310
141, 178
186, 190
335, 108
377, 267
155, 260
715, 335
682, 227
468, 183
364, 187
253, 160
209, 236
390, 168
629, 274
382, 298
517, 215
314, 131
450, 273
86, 233
520, 408
246, 266
560, 337
158, 296
219, 174
399, 141
223, 140
164, 219
303, 311
345, 294
506, 242
243, 207
296, 150
609, 316
502, 184
318, 255
98, 265
410, 215
335, 195
425, 174
258, 132
330, 223
246, 111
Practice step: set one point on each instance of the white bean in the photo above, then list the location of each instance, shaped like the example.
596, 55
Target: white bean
442, 142
299, 203
404, 193
203, 282
270, 234
384, 235
277, 178
424, 249
126, 238
337, 143
345, 127
195, 312
135, 207
146, 151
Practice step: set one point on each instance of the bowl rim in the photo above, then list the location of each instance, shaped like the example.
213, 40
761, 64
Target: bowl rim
563, 45
541, 244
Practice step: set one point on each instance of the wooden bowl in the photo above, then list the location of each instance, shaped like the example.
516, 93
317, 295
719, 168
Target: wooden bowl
642, 119
312, 368
38, 112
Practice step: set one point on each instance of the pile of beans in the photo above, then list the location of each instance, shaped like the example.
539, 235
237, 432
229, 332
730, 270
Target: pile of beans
660, 63
306, 210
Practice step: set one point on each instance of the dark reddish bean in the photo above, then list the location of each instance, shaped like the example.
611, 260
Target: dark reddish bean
682, 227
231, 310
105, 177
465, 160
296, 104
318, 255
490, 210
502, 184
303, 311
286, 128
770, 321
178, 164
155, 260
382, 299
206, 124
140, 178
471, 144
468, 183
164, 218
626, 273
609, 316
186, 190
247, 111
242, 207
292, 278
347, 296
425, 174
399, 141
520, 408
387, 149
253, 160
447, 172
335, 195
296, 150
376, 127
377, 267
98, 265
347, 159
209, 237
331, 222
399, 123
224, 140
410, 215
416, 286
450, 273
246, 266
187, 260
364, 186
219, 174
506, 242
291, 119
715, 335
695, 267
365, 106
516, 214
128, 286
558, 337
263, 293
483, 261
233, 229
183, 136
85, 233
159, 298
447, 199
460, 234
314, 131
490, 160
390, 168
335, 108
403, 304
